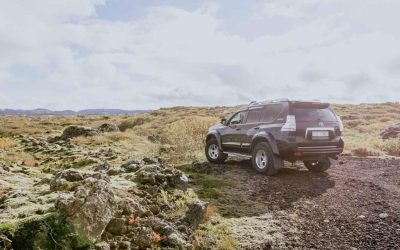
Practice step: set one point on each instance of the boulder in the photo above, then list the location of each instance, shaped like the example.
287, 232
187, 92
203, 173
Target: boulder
69, 179
108, 128
130, 207
173, 237
62, 178
75, 131
90, 208
161, 175
132, 165
196, 214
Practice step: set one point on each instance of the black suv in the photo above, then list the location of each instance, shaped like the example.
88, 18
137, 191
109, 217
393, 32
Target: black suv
274, 131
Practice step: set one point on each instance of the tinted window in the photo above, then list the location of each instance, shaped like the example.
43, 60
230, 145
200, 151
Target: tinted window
238, 118
271, 112
254, 115
305, 114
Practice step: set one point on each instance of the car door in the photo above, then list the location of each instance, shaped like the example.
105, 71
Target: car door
251, 126
230, 138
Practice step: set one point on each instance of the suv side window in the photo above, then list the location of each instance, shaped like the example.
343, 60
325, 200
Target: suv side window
254, 115
271, 112
238, 118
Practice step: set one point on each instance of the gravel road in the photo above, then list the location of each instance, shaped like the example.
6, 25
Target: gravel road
354, 205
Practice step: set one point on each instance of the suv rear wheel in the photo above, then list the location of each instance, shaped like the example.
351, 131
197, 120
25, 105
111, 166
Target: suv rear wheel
213, 153
318, 166
263, 159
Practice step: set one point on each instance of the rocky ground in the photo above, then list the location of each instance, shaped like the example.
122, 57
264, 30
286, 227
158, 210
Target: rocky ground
69, 195
355, 205
74, 198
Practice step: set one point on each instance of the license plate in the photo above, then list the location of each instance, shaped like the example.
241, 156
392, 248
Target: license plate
320, 134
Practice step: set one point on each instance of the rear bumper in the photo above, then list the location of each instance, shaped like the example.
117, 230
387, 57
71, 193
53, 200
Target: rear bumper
310, 150
320, 150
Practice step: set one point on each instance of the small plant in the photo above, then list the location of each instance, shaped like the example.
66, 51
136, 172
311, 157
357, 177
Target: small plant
391, 146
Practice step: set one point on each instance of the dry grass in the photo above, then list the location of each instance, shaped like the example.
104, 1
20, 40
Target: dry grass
391, 147
187, 137
6, 143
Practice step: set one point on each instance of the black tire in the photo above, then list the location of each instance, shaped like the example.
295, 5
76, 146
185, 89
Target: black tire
318, 166
215, 155
268, 166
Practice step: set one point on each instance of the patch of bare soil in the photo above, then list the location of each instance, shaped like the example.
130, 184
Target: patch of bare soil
354, 205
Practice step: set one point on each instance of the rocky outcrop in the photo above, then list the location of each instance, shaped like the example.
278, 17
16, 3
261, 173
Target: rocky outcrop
75, 131
391, 132
90, 208
69, 179
108, 128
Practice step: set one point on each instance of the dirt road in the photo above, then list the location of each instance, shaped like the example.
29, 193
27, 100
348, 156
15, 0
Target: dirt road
354, 205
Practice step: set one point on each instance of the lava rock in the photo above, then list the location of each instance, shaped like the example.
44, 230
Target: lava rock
107, 128
132, 165
75, 131
90, 208
196, 214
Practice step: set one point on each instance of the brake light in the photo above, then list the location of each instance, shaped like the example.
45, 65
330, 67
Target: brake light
298, 154
290, 125
340, 123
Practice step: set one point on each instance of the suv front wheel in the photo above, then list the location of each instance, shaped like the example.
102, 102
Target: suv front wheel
213, 153
318, 166
263, 159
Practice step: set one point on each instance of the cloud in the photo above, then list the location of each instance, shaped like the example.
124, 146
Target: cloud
61, 54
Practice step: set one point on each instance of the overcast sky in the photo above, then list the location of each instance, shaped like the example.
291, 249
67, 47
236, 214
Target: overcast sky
135, 54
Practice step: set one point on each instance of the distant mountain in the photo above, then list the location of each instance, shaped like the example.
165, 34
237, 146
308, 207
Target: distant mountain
70, 112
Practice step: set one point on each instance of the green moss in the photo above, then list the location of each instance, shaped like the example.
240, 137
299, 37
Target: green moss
215, 234
210, 182
209, 193
51, 231
7, 228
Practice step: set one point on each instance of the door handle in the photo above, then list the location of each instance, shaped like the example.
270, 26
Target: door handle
238, 128
257, 128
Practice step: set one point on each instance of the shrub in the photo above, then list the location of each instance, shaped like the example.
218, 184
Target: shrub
391, 146
360, 152
187, 137
131, 123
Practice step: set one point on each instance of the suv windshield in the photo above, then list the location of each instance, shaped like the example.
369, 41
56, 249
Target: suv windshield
312, 114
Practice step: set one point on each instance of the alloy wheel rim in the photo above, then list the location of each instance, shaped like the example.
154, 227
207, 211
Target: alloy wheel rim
213, 151
261, 159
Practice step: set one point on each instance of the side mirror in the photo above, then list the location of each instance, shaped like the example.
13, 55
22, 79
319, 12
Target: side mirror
223, 121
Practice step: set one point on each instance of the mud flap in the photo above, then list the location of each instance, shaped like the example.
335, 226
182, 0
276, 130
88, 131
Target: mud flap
278, 162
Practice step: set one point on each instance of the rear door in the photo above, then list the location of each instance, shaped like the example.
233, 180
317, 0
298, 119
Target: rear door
315, 121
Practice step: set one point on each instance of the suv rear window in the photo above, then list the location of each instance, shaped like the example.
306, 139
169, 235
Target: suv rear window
254, 115
312, 114
271, 112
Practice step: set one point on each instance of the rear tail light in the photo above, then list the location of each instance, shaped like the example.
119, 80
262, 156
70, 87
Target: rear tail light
290, 125
297, 154
340, 124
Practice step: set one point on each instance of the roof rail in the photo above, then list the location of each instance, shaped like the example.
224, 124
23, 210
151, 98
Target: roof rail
280, 100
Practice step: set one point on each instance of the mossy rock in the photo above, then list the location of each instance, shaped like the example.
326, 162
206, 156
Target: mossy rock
51, 231
75, 131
